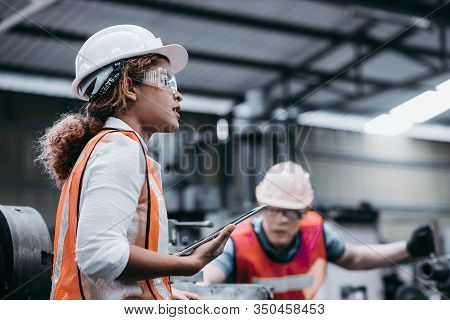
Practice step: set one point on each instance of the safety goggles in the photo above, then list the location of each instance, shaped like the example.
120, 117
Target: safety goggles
290, 214
161, 78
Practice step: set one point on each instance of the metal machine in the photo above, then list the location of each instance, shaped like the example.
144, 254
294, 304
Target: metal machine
183, 233
26, 259
436, 271
434, 284
227, 291
25, 254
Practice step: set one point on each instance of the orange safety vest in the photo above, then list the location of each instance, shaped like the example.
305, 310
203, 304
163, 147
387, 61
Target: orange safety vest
68, 282
298, 279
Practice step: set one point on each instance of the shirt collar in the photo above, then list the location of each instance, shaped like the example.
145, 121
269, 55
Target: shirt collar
116, 123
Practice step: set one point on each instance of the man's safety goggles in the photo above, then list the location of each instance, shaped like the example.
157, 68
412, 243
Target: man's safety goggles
290, 214
161, 78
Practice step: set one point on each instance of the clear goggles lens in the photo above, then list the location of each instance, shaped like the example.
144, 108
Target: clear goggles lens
161, 78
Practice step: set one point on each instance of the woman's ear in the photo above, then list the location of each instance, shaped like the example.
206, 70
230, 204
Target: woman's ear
130, 90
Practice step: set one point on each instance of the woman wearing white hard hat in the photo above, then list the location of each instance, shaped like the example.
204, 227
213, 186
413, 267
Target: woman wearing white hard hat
288, 247
111, 235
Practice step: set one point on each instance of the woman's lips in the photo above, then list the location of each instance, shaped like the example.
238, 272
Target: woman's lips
177, 110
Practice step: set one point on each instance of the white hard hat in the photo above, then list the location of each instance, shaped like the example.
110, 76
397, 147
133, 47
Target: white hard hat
286, 185
120, 42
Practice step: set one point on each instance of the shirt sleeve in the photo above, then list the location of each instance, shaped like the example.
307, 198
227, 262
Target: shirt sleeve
335, 246
111, 188
226, 261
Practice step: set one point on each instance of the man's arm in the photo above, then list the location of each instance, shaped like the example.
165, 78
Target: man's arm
363, 257
213, 274
220, 269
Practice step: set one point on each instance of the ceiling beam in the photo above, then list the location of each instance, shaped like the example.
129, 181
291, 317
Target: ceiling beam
405, 7
255, 22
235, 18
352, 65
323, 53
20, 15
298, 71
414, 83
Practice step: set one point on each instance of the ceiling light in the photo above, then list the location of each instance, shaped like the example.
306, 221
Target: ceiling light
222, 129
444, 87
423, 107
387, 125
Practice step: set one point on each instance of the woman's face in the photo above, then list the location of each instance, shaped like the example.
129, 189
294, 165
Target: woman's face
157, 109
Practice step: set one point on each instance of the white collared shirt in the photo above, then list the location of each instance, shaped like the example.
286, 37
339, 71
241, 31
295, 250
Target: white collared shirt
111, 186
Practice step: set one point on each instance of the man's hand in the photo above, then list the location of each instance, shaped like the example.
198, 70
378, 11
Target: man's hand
421, 243
183, 295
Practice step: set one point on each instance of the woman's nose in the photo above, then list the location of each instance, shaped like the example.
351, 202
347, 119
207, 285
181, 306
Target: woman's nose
178, 96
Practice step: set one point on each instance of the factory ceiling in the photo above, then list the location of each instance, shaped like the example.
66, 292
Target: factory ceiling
360, 57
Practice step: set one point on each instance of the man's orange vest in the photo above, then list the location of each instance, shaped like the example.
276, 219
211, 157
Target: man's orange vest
298, 279
67, 280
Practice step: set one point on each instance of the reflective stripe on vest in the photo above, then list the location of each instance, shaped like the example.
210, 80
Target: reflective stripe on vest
66, 279
287, 283
298, 279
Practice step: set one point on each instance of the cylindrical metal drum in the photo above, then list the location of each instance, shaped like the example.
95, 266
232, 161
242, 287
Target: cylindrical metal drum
25, 254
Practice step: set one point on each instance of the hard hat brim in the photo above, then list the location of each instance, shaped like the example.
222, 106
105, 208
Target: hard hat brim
283, 204
175, 53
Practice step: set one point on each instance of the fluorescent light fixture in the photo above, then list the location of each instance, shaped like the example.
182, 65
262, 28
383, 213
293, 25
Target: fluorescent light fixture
333, 120
280, 114
444, 87
222, 129
199, 104
47, 86
423, 107
387, 125
355, 123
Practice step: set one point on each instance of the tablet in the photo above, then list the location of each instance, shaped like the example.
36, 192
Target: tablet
188, 250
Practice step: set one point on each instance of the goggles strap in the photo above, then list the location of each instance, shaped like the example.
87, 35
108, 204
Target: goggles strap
111, 81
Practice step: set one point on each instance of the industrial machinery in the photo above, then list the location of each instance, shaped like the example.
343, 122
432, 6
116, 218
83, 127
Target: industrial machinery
25, 254
436, 271
182, 233
227, 291
26, 259
350, 292
434, 283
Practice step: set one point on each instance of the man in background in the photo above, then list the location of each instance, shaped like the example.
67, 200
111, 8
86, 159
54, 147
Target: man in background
289, 245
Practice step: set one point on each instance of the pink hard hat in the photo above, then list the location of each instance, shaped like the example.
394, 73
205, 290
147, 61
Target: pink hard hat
286, 185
